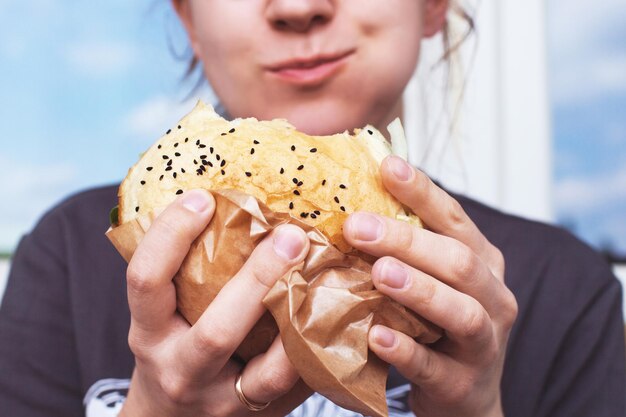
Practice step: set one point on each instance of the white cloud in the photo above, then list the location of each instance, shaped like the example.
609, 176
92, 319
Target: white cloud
30, 189
100, 59
150, 119
579, 196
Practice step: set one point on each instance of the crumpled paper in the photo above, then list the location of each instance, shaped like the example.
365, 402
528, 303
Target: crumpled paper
323, 307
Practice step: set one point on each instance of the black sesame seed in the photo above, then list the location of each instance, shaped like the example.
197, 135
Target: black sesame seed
336, 199
201, 146
179, 126
232, 130
209, 163
223, 134
205, 162
179, 192
198, 142
251, 151
317, 212
174, 175
342, 208
324, 182
342, 186
248, 174
370, 132
149, 169
159, 147
291, 205
182, 170
301, 167
142, 182
223, 162
186, 140
161, 178
296, 192
313, 150
223, 172
168, 131
282, 170
217, 156
195, 162
166, 157
176, 153
295, 180
293, 147
313, 216
176, 145
256, 142
203, 156
169, 163
168, 168
304, 215
202, 168
211, 149
136, 209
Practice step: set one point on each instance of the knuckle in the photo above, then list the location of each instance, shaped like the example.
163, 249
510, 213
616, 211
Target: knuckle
138, 280
276, 381
212, 342
461, 390
498, 263
464, 262
474, 323
137, 345
455, 214
510, 310
174, 388
425, 367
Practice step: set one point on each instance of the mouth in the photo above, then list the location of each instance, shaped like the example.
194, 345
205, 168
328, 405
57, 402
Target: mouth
310, 71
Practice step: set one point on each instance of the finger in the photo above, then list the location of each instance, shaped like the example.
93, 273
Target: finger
464, 319
439, 256
439, 211
238, 306
151, 293
417, 363
269, 376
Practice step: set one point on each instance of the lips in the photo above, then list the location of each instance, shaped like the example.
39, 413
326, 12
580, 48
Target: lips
310, 71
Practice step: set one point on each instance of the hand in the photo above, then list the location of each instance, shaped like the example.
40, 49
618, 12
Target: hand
184, 370
450, 274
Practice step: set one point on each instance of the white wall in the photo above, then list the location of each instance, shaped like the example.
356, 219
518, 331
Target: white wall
500, 148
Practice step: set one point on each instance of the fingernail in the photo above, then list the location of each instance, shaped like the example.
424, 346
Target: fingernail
384, 337
366, 227
289, 242
400, 168
196, 201
394, 275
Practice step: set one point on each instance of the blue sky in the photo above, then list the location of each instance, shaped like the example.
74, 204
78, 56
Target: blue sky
87, 86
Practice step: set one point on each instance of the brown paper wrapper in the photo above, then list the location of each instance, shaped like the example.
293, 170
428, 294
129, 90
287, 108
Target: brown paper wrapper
323, 307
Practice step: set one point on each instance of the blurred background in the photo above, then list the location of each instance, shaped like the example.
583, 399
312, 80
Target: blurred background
87, 86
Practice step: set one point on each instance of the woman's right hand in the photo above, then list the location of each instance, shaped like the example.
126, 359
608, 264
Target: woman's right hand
183, 370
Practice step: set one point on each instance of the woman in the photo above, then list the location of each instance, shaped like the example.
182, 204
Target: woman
326, 65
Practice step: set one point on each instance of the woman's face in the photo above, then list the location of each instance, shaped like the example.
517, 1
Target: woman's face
325, 65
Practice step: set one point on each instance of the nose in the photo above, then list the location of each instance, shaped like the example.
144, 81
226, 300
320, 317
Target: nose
299, 15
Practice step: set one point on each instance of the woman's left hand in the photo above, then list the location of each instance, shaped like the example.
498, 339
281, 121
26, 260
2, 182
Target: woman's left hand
450, 274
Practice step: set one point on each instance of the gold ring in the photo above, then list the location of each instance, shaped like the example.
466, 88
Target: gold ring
252, 406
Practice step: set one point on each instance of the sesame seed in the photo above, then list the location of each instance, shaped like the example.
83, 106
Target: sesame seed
256, 142
313, 216
203, 156
251, 151
176, 145
217, 156
142, 182
182, 170
179, 126
295, 180
317, 212
149, 169
179, 192
204, 162
161, 178
304, 215
198, 142
370, 132
342, 208
282, 170
166, 157
291, 205
301, 167
159, 147
232, 130
201, 146
223, 134
168, 168
195, 162
342, 186
223, 172
211, 149
293, 147
186, 140
248, 174
202, 168
209, 163
336, 199
299, 183
223, 162
136, 209
176, 153
169, 163
174, 175
296, 192
324, 182
313, 150
168, 131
